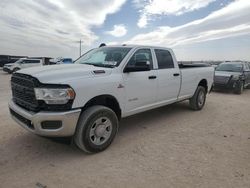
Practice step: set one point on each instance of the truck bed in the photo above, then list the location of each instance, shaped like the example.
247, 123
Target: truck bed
191, 75
192, 65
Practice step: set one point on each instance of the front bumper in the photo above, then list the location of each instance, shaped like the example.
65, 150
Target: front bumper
34, 122
230, 85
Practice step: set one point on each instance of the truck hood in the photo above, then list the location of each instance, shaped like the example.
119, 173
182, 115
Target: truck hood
227, 74
58, 74
8, 64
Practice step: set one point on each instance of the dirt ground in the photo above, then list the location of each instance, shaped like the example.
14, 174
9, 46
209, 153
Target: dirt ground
167, 147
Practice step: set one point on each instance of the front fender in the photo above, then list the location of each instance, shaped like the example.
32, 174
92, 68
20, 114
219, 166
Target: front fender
87, 89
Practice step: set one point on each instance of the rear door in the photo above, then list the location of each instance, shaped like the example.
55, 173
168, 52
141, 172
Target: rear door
169, 78
25, 64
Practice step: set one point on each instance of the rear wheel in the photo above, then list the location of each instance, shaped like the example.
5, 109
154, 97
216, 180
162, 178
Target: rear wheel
198, 100
239, 88
96, 129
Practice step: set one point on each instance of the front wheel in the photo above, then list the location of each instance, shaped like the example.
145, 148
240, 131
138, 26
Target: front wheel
198, 100
15, 69
96, 129
239, 88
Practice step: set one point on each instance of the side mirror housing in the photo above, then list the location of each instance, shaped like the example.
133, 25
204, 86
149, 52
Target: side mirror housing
138, 67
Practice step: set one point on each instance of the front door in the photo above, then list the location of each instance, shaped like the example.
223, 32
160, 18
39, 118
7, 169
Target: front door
140, 87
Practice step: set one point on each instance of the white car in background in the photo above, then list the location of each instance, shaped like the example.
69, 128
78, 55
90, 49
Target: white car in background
21, 64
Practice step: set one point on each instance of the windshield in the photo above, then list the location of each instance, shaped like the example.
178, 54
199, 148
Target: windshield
230, 67
104, 57
19, 61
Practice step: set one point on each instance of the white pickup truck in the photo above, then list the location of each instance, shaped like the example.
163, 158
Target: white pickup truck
87, 99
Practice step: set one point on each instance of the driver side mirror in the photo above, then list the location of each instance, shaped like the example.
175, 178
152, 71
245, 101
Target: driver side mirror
139, 66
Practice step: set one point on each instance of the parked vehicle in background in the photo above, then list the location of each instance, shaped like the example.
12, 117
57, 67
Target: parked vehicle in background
26, 63
65, 61
233, 76
61, 61
45, 60
22, 64
214, 66
86, 100
5, 59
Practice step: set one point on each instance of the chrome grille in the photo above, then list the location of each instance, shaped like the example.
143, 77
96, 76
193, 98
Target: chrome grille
221, 79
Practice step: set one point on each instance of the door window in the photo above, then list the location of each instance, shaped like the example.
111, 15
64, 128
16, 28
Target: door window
31, 61
247, 67
143, 55
164, 59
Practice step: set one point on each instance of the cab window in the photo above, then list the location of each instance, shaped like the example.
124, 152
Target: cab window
30, 61
164, 59
143, 55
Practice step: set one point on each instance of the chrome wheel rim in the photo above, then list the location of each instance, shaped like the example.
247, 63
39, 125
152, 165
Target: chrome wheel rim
201, 98
100, 131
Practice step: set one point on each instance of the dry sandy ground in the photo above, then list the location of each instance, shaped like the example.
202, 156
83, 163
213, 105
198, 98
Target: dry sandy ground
167, 147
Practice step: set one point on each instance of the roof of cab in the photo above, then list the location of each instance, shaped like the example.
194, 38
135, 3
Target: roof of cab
134, 46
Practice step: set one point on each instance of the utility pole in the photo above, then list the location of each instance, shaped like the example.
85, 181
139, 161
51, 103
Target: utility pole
80, 47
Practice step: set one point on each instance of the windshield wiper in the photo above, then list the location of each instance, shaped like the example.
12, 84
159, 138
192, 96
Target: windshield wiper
225, 70
99, 65
104, 65
87, 64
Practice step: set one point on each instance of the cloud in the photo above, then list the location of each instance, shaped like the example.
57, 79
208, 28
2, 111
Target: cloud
112, 43
52, 26
232, 20
118, 31
149, 8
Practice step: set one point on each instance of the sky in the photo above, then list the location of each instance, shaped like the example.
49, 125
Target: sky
195, 29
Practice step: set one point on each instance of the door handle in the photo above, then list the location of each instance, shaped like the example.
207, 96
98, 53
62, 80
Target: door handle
152, 77
176, 74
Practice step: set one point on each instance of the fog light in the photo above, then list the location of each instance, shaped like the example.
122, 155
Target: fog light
51, 124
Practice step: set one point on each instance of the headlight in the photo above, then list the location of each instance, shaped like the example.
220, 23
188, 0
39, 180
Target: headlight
235, 77
54, 96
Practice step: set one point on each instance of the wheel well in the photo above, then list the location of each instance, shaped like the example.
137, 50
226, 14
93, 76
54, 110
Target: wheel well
105, 100
203, 83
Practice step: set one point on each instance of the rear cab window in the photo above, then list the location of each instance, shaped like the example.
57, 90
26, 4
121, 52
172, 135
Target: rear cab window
164, 59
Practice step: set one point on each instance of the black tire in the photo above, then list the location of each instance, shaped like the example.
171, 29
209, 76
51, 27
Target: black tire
15, 69
197, 102
239, 88
88, 121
